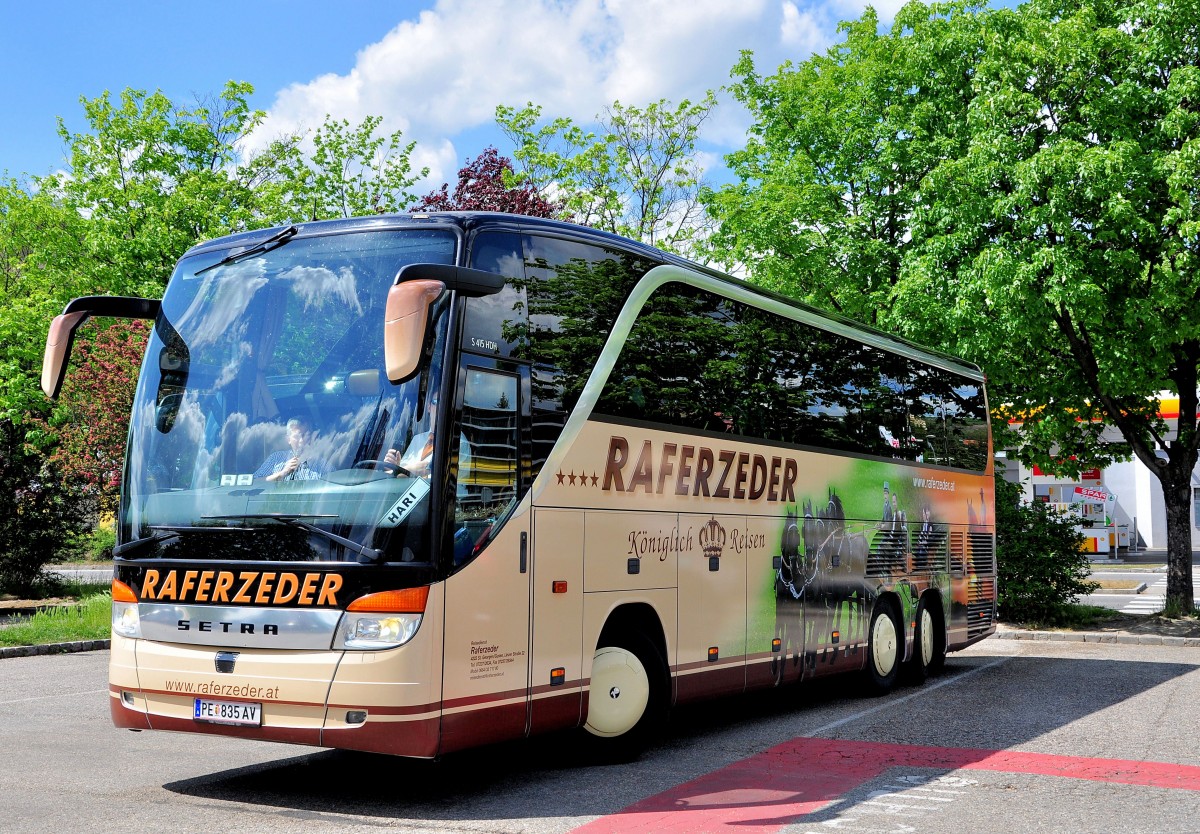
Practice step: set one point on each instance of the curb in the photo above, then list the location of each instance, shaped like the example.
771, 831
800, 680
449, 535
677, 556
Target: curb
54, 648
1098, 637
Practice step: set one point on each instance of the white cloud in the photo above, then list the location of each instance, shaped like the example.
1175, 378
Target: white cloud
443, 72
803, 32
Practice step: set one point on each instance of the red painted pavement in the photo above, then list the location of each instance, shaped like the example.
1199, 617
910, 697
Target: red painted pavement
776, 787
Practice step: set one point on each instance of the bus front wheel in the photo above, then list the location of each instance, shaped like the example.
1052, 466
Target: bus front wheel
627, 697
885, 649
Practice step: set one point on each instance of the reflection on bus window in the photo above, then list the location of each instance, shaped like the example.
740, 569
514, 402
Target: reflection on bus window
488, 457
795, 384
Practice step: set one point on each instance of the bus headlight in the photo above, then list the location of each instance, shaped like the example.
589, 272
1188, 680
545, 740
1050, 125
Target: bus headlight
125, 619
378, 631
383, 620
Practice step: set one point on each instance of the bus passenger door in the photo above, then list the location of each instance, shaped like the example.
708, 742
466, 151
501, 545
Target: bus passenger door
486, 669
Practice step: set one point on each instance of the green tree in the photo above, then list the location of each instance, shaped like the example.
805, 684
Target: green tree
636, 177
1066, 239
152, 178
146, 180
350, 171
837, 152
1017, 186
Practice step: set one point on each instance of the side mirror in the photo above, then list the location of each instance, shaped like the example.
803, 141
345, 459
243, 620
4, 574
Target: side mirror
405, 322
406, 318
62, 330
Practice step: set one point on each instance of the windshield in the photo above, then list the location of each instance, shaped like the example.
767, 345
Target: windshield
264, 426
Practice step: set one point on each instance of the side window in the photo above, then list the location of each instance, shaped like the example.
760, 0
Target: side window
575, 291
966, 424
487, 458
497, 325
949, 419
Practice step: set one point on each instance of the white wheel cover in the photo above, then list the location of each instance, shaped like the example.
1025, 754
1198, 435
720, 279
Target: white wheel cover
883, 645
619, 694
926, 637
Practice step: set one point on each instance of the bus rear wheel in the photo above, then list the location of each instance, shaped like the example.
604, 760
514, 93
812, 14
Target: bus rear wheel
627, 697
885, 649
925, 643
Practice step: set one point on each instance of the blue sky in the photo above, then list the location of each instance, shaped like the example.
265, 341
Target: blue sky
435, 69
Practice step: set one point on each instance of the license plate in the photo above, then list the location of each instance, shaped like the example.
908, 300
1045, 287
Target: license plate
228, 712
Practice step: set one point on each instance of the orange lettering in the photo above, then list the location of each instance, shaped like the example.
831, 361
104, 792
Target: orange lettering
202, 587
289, 583
247, 577
221, 589
310, 588
329, 589
148, 584
167, 591
265, 586
189, 582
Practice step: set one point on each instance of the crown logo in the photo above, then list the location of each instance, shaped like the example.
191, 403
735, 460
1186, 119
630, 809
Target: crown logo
712, 538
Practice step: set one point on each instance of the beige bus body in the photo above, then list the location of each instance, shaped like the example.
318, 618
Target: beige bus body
675, 535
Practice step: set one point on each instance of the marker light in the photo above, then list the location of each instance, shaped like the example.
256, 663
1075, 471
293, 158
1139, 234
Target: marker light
383, 620
125, 619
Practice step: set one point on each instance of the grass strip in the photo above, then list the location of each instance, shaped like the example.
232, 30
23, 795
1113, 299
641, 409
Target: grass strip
90, 619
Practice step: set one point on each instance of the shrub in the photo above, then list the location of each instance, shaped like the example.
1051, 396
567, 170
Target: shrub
1039, 556
39, 518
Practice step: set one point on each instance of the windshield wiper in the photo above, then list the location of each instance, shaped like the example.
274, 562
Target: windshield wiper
164, 533
273, 242
146, 542
367, 555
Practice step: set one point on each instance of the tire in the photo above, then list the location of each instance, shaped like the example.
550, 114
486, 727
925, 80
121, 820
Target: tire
939, 637
628, 698
885, 649
925, 643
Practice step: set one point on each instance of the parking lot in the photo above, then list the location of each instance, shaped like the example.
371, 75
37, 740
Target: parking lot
1017, 735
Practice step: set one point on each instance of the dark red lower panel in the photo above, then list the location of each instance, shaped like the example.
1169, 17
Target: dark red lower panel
123, 716
418, 739
287, 735
711, 682
461, 730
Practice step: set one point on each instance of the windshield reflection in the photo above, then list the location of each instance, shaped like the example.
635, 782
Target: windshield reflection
263, 400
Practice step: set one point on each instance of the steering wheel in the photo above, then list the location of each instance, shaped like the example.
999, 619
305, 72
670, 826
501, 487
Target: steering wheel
388, 466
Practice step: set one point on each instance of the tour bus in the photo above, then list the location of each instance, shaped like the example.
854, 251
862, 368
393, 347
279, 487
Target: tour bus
410, 484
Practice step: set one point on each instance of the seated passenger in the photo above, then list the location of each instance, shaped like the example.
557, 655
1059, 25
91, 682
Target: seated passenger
294, 463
